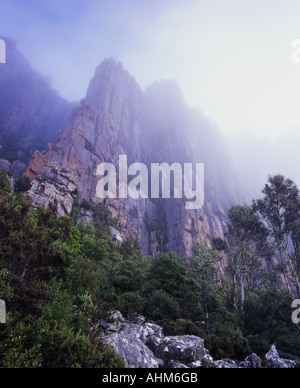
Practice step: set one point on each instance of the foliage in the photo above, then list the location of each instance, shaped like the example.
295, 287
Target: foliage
59, 279
162, 305
5, 187
280, 210
22, 184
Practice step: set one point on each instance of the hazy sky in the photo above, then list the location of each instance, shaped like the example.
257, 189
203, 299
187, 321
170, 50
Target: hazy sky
230, 57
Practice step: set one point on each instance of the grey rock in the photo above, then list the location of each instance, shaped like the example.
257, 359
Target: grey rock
54, 184
135, 353
224, 364
184, 349
196, 364
207, 360
176, 365
140, 320
116, 235
272, 360
150, 330
85, 217
116, 316
251, 362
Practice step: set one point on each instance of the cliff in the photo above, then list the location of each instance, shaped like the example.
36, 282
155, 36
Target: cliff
118, 118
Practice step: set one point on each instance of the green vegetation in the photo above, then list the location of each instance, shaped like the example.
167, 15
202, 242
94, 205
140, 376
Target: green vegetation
22, 184
59, 279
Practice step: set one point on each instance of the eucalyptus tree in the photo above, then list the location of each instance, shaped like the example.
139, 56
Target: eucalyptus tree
280, 211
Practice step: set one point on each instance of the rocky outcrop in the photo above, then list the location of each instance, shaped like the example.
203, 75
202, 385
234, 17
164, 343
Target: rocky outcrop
136, 353
54, 185
143, 344
184, 349
117, 118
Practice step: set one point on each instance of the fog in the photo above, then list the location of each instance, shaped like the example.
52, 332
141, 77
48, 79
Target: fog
255, 159
231, 58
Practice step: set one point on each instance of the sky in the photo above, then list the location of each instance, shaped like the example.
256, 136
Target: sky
231, 58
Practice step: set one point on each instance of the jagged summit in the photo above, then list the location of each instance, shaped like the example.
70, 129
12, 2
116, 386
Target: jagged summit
110, 82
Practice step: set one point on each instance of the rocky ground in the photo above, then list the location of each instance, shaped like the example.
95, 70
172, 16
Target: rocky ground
143, 345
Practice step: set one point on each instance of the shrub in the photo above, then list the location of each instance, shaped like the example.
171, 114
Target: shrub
181, 327
22, 184
163, 306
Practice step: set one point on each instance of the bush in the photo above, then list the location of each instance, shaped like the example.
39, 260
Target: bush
232, 345
162, 306
130, 302
289, 343
258, 344
181, 327
5, 187
64, 348
22, 184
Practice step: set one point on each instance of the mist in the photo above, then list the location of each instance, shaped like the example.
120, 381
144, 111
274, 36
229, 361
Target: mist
232, 59
254, 159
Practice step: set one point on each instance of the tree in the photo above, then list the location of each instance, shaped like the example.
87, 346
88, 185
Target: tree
246, 244
5, 187
167, 273
202, 268
280, 210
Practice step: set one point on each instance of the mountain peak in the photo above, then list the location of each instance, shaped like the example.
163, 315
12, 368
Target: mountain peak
166, 92
111, 80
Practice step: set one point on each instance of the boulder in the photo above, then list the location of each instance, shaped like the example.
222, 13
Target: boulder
140, 320
176, 365
183, 349
224, 364
116, 317
251, 362
135, 353
272, 360
196, 364
207, 360
151, 334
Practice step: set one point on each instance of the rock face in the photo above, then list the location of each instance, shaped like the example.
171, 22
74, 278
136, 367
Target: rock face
117, 118
143, 344
32, 114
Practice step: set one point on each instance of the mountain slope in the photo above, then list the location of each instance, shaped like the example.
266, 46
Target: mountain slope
31, 112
